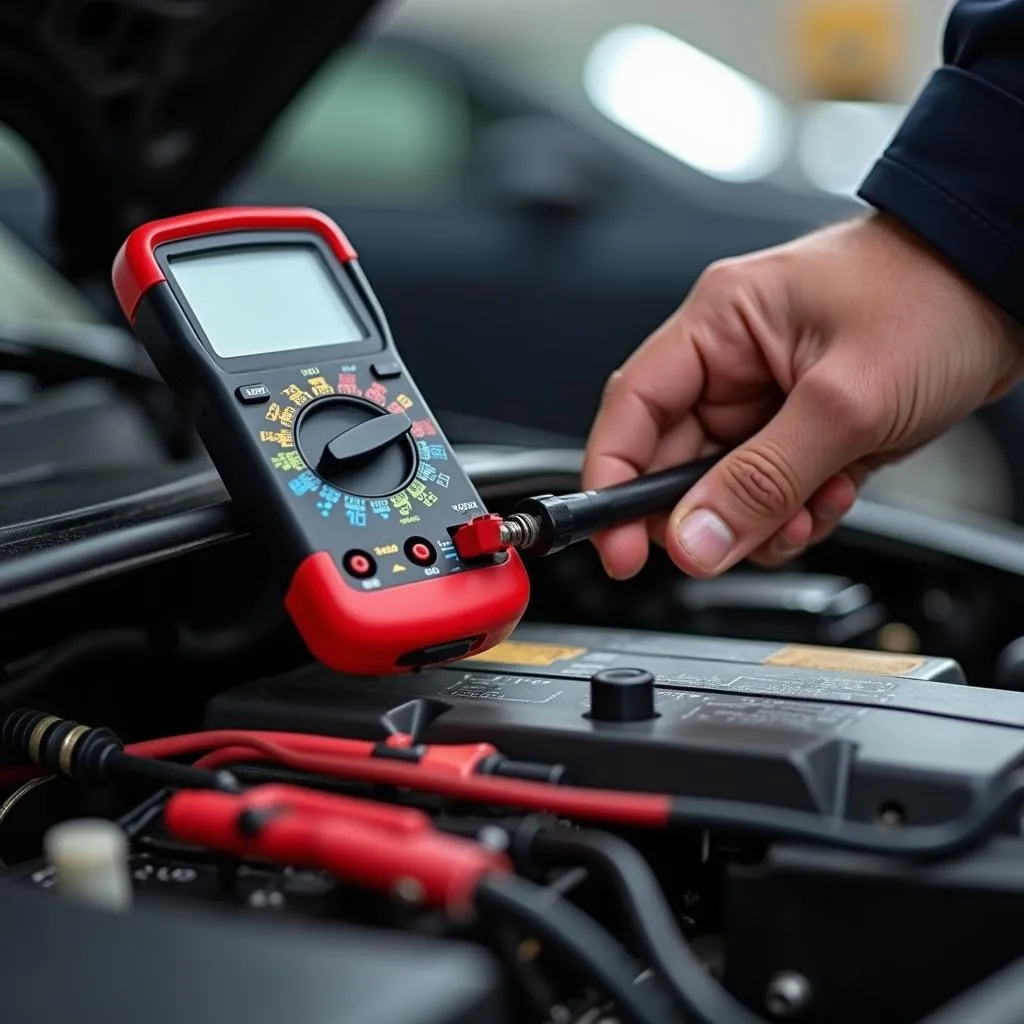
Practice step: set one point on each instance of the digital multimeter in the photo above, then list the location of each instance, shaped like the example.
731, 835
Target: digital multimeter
263, 323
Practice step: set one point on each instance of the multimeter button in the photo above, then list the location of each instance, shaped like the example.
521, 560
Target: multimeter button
359, 564
383, 371
252, 394
420, 551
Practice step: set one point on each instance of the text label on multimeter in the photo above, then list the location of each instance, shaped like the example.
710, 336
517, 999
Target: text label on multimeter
263, 323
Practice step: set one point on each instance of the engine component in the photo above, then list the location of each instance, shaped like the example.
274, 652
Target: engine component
758, 803
205, 970
310, 848
811, 729
854, 735
90, 862
855, 927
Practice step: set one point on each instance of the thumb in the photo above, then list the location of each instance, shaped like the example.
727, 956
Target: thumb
758, 488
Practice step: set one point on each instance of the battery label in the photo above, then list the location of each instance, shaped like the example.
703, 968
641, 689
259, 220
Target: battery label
520, 652
842, 659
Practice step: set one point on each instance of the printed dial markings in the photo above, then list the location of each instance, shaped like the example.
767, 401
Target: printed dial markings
278, 433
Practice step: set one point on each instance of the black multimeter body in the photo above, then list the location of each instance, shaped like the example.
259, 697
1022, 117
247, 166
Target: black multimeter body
264, 325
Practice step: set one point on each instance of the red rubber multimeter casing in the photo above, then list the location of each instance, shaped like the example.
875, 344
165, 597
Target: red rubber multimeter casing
262, 322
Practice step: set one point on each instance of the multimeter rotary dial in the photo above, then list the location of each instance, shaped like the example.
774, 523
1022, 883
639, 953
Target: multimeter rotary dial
357, 446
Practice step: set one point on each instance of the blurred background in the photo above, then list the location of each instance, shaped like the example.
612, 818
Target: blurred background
783, 72
533, 187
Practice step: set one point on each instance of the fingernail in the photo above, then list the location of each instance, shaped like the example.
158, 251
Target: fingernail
706, 538
784, 547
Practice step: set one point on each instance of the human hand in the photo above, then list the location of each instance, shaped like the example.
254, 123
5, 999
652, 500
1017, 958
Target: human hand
827, 358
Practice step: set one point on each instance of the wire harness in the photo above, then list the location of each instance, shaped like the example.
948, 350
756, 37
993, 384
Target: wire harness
403, 850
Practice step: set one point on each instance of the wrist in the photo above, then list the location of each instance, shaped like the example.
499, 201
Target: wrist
993, 323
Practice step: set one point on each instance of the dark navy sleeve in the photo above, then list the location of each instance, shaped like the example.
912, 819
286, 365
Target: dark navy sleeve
954, 172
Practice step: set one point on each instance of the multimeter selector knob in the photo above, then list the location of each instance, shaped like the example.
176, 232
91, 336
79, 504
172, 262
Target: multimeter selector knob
357, 446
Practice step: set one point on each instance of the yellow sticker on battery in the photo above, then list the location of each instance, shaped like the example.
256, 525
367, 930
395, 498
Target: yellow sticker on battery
843, 659
522, 652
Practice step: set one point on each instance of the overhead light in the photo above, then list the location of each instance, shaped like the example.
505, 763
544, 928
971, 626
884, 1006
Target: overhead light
688, 104
839, 142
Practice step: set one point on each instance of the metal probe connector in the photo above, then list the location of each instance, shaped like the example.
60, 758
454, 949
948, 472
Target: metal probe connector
93, 755
519, 530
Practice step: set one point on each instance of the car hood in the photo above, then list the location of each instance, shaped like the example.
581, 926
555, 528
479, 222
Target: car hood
142, 108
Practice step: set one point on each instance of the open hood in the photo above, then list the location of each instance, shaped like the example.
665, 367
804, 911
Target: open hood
143, 108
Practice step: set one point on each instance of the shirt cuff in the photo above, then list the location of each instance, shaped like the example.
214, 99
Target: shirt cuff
954, 174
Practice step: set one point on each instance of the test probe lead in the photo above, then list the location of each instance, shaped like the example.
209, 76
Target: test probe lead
382, 846
93, 755
547, 523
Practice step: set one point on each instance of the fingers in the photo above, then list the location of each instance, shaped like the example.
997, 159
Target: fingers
811, 524
763, 486
623, 550
654, 390
833, 500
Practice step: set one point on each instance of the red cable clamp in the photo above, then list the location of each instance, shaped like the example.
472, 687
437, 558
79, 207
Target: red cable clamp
373, 844
460, 759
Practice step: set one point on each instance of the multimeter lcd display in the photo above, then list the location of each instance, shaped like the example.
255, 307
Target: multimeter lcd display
252, 302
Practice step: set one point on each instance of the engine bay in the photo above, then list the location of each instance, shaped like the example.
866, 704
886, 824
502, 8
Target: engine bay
744, 801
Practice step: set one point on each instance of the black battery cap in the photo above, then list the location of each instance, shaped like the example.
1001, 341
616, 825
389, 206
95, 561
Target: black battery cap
622, 695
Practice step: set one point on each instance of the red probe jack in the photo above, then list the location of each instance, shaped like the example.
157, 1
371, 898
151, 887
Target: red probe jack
373, 844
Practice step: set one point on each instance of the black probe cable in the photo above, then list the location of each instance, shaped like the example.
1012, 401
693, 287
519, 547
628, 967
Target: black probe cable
920, 844
697, 993
546, 523
578, 937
